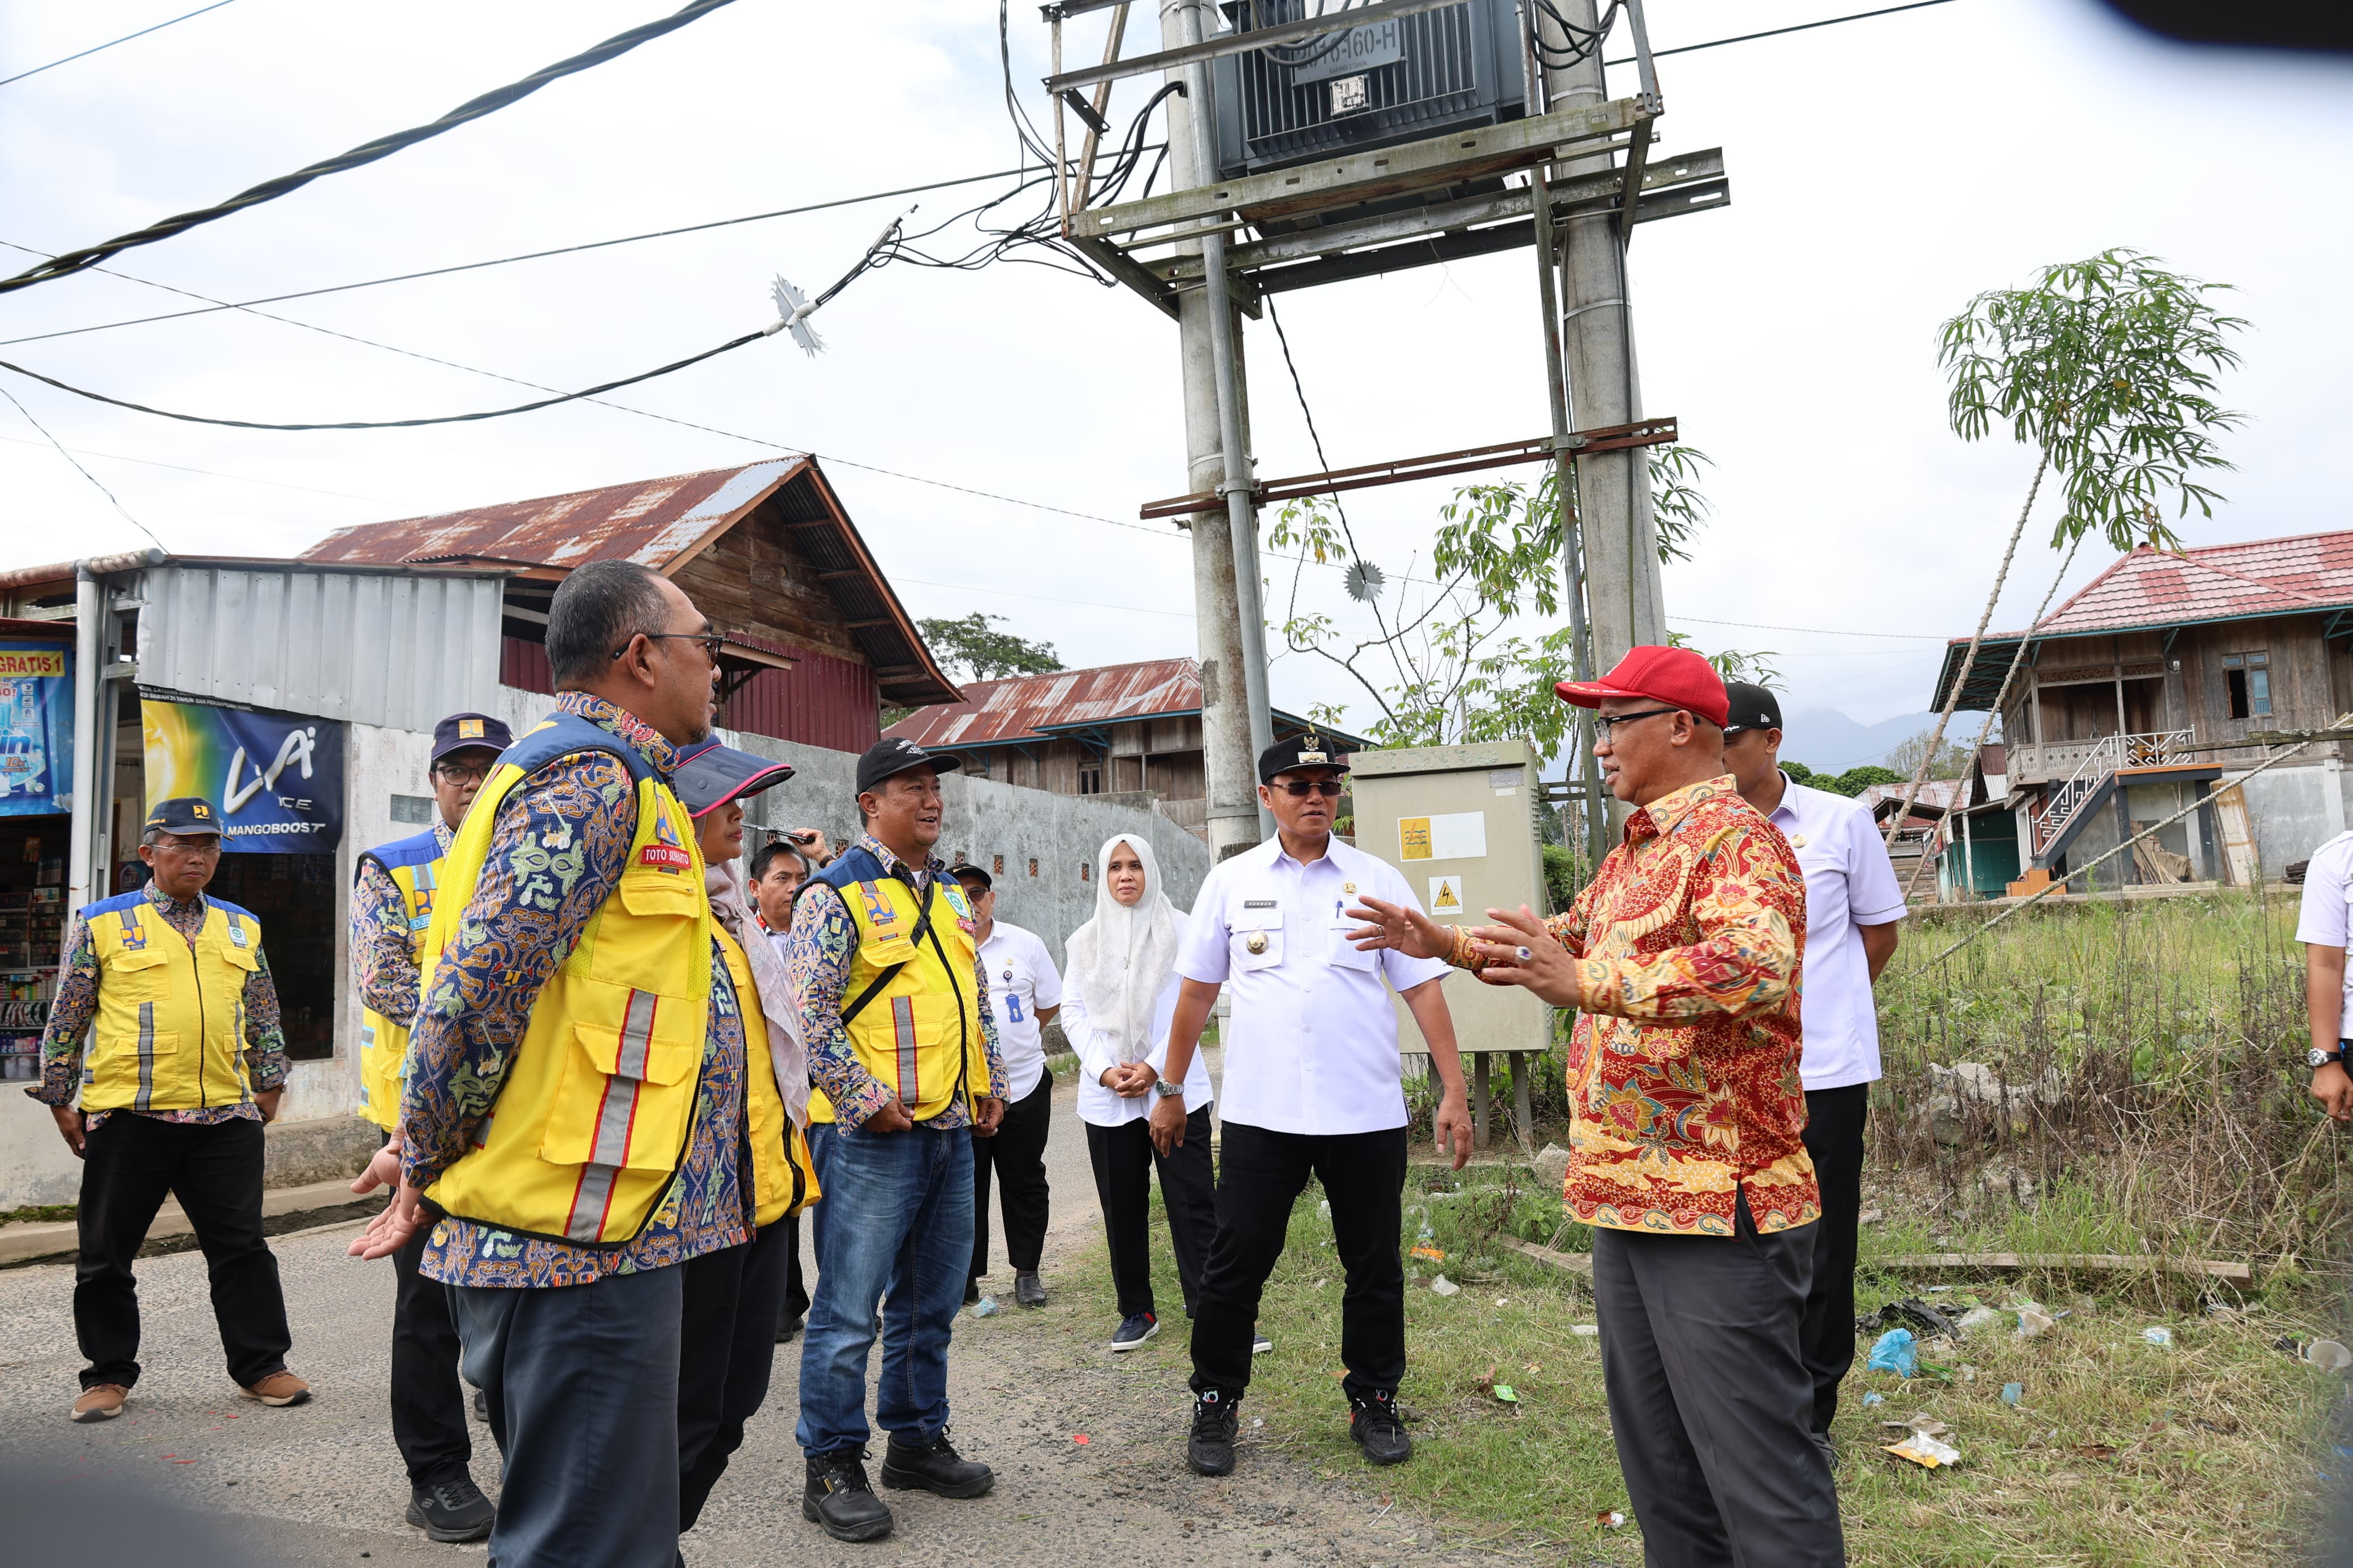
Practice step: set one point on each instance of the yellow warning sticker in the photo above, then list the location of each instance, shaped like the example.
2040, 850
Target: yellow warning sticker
1413, 838
1446, 896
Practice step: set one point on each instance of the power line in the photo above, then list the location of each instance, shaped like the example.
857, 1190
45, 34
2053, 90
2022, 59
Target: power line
366, 153
1777, 32
85, 473
207, 473
126, 38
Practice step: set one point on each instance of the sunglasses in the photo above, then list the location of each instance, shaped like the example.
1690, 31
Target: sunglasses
1298, 789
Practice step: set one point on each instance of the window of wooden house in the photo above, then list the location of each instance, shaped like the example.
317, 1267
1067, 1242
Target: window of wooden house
1091, 780
2248, 678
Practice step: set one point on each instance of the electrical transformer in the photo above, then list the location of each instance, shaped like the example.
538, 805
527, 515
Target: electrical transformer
1399, 79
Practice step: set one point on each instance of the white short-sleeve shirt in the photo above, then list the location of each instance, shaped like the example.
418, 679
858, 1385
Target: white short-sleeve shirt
1310, 1044
2322, 921
1021, 979
1850, 884
1097, 1055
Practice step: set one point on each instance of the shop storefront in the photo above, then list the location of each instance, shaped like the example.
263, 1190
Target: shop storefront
35, 773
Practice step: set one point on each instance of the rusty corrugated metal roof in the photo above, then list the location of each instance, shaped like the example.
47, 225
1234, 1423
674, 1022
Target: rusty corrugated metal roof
1032, 707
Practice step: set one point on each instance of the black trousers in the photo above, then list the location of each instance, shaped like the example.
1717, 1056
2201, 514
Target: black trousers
1260, 1175
727, 1346
1709, 1401
1123, 1159
1018, 1155
1834, 1121
128, 1165
428, 1403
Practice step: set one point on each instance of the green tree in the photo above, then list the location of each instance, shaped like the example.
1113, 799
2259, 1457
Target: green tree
985, 653
2106, 367
1854, 780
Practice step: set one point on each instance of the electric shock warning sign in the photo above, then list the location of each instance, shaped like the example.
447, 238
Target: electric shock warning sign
1445, 895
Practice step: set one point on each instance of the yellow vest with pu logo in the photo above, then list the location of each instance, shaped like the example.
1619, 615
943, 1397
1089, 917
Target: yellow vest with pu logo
415, 866
169, 1033
783, 1176
920, 1033
593, 1116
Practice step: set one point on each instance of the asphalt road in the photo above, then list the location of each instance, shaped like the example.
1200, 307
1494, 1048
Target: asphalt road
320, 1483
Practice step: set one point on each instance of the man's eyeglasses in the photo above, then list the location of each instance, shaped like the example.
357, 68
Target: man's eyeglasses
712, 642
465, 772
1297, 789
1602, 722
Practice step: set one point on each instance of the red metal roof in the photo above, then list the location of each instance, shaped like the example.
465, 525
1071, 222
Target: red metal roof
1019, 707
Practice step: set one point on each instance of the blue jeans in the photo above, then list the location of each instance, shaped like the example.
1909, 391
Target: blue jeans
897, 1215
582, 1385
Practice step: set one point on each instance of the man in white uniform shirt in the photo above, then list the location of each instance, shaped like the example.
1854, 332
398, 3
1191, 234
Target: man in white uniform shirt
1027, 992
1313, 1085
1852, 908
2322, 927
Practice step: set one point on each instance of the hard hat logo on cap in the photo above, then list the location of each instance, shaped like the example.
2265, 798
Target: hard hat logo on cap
469, 729
201, 809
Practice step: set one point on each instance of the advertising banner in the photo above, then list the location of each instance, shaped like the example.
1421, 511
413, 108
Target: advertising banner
35, 728
278, 778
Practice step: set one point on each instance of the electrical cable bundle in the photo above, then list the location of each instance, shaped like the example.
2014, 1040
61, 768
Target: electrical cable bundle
1583, 42
1314, 51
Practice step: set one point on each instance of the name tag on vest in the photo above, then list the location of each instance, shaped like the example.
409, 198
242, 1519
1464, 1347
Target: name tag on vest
667, 857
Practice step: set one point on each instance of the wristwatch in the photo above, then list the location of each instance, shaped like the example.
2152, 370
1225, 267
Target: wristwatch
2316, 1058
1166, 1089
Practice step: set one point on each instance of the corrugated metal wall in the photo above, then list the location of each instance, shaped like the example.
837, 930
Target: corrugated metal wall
820, 702
395, 649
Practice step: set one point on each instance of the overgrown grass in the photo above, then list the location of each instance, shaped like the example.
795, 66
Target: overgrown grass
2120, 1452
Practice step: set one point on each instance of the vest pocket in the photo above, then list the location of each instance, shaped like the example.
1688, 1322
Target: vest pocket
626, 1093
141, 975
126, 1069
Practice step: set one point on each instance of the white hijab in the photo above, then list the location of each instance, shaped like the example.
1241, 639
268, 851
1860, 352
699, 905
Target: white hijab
1125, 955
730, 905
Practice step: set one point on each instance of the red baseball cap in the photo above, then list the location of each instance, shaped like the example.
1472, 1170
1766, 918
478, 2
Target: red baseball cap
1675, 676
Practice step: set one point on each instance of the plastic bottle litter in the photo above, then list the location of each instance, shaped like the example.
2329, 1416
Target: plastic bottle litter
1444, 1287
1894, 1352
2033, 1320
1924, 1451
2013, 1392
985, 1308
2158, 1336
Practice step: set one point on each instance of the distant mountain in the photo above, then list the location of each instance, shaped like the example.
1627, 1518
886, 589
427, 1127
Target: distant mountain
1829, 742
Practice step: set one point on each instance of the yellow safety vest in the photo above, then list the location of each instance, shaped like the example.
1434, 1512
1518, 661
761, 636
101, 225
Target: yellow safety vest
170, 1030
919, 1030
415, 864
783, 1176
592, 1119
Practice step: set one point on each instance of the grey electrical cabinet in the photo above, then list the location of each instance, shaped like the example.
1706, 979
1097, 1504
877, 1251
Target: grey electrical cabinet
1459, 824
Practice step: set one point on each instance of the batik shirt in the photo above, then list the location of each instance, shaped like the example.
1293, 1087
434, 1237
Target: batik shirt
77, 1005
818, 950
1683, 1068
386, 947
558, 845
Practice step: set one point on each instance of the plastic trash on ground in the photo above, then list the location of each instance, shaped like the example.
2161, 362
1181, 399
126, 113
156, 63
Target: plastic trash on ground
1873, 1398
2033, 1320
1504, 1392
2328, 1355
985, 1308
1609, 1519
1444, 1287
1894, 1352
2158, 1336
1584, 1331
1978, 1318
2013, 1392
1928, 1453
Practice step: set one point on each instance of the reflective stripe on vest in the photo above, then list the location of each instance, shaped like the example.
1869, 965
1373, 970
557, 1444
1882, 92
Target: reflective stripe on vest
921, 1035
597, 1102
169, 1033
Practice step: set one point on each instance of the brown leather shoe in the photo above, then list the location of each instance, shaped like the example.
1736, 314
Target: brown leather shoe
281, 1387
100, 1401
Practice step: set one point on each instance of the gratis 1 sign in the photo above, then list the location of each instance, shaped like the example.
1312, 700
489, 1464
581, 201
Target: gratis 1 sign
278, 778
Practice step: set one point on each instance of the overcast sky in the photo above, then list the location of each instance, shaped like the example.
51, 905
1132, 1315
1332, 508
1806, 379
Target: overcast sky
1882, 172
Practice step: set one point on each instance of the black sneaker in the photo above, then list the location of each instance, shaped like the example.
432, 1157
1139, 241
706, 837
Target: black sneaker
452, 1511
1133, 1330
935, 1467
1028, 1290
835, 1496
1210, 1448
1376, 1427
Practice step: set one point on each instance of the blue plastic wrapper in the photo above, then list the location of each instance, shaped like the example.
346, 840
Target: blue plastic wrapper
1894, 1352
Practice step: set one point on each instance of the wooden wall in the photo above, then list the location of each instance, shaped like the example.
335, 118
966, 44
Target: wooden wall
752, 579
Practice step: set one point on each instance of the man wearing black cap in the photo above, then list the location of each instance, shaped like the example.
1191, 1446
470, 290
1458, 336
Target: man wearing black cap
1853, 914
392, 903
186, 1062
1313, 1085
884, 967
1027, 992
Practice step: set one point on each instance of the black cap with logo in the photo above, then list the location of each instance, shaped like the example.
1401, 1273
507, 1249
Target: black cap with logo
185, 813
470, 732
888, 759
1309, 751
964, 869
1751, 708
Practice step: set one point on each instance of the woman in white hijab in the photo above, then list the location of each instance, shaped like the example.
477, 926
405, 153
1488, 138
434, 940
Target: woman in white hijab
1119, 991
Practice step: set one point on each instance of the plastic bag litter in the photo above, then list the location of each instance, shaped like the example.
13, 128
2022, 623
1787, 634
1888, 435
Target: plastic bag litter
2033, 1320
1873, 1398
2158, 1336
2328, 1355
2013, 1393
1911, 1312
1924, 1451
1894, 1352
1978, 1318
1444, 1287
985, 1308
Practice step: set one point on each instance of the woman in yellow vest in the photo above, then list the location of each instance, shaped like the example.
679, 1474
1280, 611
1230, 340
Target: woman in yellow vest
727, 1342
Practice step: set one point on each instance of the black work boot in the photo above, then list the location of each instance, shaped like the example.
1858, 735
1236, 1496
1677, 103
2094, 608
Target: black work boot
837, 1497
1374, 1424
452, 1509
1210, 1448
1028, 1290
935, 1466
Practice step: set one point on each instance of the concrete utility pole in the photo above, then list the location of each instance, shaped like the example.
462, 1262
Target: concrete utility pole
1622, 558
1236, 722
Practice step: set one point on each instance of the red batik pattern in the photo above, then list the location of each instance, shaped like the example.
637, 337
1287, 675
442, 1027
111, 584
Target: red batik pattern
1683, 1067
